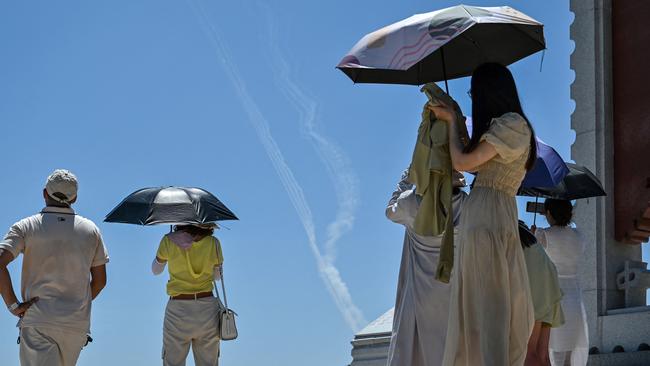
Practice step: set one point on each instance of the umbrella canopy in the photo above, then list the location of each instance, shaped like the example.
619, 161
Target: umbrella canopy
443, 44
170, 205
549, 168
579, 183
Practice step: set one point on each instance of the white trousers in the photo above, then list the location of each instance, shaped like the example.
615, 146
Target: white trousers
50, 347
191, 322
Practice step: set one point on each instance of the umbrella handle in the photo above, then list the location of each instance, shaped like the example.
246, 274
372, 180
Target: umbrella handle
535, 213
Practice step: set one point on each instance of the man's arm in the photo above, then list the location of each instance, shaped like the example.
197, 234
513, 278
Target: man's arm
7, 288
97, 280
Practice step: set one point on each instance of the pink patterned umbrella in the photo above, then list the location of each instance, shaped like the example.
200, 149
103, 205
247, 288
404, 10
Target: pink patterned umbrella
444, 44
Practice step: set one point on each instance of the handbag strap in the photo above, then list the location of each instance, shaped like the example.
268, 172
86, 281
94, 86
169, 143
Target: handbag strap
223, 289
223, 286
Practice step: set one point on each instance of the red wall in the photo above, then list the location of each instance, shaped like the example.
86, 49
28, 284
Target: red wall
631, 92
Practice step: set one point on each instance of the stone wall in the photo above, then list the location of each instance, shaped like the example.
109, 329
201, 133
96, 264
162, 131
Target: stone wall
592, 121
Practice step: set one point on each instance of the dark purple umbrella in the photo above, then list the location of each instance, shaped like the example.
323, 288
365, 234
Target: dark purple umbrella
549, 168
548, 171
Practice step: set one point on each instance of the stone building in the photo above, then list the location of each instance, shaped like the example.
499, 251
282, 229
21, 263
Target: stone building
612, 125
611, 120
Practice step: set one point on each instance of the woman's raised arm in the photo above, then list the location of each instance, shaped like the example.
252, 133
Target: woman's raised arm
464, 162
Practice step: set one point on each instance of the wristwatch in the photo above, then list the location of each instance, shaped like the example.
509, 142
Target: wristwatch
13, 306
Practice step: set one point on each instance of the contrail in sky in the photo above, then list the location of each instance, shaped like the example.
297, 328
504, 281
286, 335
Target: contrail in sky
345, 182
338, 167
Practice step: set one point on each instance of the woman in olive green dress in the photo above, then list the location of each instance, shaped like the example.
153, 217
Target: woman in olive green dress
546, 294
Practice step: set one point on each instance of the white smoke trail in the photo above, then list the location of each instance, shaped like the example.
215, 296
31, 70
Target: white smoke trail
338, 166
345, 183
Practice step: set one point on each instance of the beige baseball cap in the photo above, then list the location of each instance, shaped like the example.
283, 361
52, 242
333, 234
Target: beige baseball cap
62, 186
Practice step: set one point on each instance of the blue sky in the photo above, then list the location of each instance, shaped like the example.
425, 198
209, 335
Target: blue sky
240, 98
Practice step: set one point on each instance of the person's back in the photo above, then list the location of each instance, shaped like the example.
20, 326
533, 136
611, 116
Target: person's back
422, 303
58, 248
565, 246
63, 270
191, 316
191, 270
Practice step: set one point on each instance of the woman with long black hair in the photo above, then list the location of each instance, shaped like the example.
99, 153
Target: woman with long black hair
491, 312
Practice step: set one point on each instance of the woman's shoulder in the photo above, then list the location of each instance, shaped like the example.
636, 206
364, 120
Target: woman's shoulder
511, 120
510, 136
209, 239
566, 233
566, 230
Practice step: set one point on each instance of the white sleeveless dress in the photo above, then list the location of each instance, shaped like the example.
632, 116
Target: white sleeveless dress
569, 344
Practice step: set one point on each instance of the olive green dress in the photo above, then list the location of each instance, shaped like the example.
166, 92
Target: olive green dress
544, 286
491, 312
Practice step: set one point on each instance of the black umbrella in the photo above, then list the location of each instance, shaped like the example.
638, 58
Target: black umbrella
444, 44
170, 205
579, 183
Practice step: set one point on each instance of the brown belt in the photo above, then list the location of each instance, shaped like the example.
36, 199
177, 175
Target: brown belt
198, 295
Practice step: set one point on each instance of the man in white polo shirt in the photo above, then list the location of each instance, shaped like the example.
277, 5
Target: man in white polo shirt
64, 268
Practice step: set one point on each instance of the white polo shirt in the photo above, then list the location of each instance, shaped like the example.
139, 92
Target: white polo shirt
59, 248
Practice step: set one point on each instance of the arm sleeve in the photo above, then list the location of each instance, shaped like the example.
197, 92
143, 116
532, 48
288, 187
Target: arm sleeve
219, 258
540, 234
510, 136
14, 241
217, 272
163, 252
157, 267
101, 254
395, 210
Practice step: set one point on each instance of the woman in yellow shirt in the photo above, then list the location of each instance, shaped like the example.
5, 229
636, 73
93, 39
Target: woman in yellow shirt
191, 317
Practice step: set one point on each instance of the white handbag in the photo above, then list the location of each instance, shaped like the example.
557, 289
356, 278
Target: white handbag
227, 326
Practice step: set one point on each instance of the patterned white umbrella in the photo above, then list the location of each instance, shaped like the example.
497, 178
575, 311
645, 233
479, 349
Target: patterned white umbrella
443, 44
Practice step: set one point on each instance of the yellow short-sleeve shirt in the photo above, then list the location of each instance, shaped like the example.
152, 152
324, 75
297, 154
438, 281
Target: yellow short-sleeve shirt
190, 271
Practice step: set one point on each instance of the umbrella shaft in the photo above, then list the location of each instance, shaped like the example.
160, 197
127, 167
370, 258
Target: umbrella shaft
444, 68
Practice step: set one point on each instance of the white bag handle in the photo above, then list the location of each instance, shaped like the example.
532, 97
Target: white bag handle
223, 288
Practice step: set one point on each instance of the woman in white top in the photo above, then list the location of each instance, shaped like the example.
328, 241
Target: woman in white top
565, 246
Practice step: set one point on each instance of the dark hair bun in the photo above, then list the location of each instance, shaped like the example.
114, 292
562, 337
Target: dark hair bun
560, 210
194, 230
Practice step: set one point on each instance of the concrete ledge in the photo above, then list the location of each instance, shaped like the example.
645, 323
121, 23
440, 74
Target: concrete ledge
627, 330
626, 358
370, 351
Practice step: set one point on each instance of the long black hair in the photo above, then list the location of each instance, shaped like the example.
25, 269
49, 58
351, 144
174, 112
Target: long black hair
494, 94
